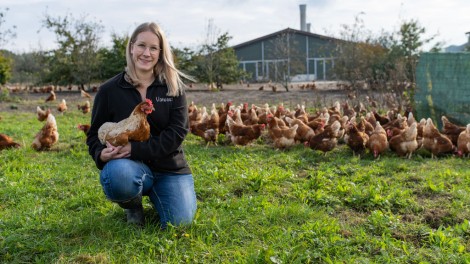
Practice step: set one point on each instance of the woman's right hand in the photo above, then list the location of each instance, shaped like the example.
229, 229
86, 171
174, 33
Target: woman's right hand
112, 152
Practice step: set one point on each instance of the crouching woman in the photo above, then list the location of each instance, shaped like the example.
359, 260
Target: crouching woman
157, 167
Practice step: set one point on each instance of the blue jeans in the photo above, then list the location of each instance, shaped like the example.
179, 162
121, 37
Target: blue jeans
172, 195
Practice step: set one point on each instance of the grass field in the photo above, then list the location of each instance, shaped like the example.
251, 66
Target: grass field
255, 205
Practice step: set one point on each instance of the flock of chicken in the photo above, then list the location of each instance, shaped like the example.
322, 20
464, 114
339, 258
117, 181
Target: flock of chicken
48, 135
363, 131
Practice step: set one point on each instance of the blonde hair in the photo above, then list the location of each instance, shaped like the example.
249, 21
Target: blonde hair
165, 69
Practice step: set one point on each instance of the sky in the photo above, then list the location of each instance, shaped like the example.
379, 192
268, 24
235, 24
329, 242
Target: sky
185, 22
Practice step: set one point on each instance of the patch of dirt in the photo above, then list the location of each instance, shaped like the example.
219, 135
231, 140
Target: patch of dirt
325, 94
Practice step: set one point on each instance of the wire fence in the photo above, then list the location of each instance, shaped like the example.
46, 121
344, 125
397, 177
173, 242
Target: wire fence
443, 87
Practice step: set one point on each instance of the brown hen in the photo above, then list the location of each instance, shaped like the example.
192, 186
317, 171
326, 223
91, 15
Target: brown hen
7, 142
434, 141
135, 127
47, 136
405, 143
327, 140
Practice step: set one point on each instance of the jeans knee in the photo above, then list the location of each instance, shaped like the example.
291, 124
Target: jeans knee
175, 199
121, 181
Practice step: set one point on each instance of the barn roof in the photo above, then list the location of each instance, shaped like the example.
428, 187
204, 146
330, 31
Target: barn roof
284, 31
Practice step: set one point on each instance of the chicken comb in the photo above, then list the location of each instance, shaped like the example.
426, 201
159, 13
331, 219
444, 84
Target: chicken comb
148, 101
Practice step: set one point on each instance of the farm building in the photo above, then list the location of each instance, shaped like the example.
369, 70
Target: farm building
297, 54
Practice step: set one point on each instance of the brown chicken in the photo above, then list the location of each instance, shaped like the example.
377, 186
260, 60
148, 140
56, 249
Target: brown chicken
405, 144
195, 114
348, 111
463, 142
51, 97
304, 132
208, 128
85, 108
370, 117
451, 130
135, 127
396, 126
383, 119
223, 111
83, 127
47, 136
7, 142
420, 127
342, 131
434, 141
319, 123
191, 107
365, 126
410, 119
84, 94
62, 107
251, 118
280, 111
300, 111
378, 141
335, 109
262, 113
282, 137
360, 108
241, 134
42, 114
326, 140
357, 139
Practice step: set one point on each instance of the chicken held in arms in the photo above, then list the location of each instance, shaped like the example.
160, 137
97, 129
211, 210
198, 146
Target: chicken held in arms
135, 127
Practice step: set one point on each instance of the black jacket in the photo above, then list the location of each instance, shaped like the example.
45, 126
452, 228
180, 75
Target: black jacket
169, 124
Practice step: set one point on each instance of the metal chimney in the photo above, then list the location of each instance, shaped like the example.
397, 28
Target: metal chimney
303, 23
308, 27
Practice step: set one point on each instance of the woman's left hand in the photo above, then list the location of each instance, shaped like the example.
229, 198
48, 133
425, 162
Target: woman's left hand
126, 149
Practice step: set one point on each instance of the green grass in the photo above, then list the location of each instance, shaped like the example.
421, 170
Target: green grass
255, 205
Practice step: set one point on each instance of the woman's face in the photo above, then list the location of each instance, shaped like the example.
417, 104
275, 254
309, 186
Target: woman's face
145, 51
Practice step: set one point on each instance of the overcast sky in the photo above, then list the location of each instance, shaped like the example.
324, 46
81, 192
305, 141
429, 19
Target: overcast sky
185, 21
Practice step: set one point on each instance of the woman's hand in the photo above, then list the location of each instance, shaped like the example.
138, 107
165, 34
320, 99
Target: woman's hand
112, 152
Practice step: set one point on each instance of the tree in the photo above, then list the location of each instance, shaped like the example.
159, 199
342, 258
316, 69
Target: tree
24, 67
76, 60
5, 69
353, 53
287, 60
387, 62
113, 60
216, 62
5, 62
5, 34
185, 60
410, 45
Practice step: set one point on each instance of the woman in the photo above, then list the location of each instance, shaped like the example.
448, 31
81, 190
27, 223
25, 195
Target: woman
157, 167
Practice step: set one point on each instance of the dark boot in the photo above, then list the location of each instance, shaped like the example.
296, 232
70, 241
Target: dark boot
134, 211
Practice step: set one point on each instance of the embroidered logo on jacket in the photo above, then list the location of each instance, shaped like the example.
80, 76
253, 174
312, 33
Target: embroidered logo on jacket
163, 99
